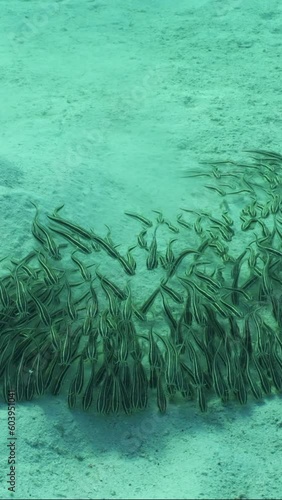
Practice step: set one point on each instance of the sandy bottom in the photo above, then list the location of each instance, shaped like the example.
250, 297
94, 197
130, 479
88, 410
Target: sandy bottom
103, 106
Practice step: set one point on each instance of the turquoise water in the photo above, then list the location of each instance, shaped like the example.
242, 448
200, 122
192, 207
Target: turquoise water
140, 349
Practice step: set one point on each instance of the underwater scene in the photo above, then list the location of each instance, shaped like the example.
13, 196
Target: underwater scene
141, 256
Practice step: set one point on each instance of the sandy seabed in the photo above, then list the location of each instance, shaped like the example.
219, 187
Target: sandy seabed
103, 105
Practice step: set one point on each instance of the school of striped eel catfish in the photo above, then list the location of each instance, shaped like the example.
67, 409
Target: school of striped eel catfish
74, 317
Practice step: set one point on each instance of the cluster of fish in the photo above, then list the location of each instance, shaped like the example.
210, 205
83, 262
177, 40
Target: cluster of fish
210, 327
